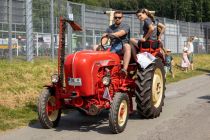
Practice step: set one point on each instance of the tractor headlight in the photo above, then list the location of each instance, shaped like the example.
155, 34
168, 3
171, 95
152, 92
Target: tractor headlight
106, 80
54, 78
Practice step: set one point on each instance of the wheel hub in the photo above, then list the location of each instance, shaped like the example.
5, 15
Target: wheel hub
123, 109
157, 87
51, 109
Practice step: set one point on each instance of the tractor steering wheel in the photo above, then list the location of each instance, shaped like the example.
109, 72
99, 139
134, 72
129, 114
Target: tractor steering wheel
112, 38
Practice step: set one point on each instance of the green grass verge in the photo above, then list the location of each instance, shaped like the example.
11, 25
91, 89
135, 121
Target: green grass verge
201, 66
15, 118
21, 82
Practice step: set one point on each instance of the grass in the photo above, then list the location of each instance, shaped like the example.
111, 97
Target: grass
201, 66
21, 83
15, 118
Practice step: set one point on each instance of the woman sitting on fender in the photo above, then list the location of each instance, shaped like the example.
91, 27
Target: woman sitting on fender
150, 30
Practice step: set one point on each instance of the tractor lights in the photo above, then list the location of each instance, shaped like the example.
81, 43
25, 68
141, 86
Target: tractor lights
54, 78
106, 80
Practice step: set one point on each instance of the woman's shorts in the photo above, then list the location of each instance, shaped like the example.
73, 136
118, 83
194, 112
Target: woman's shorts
190, 57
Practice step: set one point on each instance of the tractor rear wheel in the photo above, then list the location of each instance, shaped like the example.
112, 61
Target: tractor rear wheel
49, 115
150, 90
119, 111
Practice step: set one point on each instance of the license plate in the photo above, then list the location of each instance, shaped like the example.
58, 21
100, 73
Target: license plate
75, 81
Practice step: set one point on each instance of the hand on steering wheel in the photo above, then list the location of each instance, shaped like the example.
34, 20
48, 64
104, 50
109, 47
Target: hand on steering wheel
112, 38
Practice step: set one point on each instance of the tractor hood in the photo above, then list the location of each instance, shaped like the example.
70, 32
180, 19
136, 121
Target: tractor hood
81, 70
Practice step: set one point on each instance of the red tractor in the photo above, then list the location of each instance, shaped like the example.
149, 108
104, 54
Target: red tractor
90, 81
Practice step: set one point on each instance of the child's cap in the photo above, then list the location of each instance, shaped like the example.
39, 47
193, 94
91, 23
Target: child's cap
185, 49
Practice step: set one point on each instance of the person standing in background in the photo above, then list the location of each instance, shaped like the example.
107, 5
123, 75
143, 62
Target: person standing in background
169, 62
185, 61
190, 51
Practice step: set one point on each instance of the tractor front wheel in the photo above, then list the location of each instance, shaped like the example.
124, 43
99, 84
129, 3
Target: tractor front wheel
49, 115
119, 111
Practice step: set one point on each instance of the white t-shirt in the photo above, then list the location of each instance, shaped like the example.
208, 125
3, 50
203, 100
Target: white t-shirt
190, 47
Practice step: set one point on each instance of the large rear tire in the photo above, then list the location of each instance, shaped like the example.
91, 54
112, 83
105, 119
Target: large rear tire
119, 111
150, 90
49, 116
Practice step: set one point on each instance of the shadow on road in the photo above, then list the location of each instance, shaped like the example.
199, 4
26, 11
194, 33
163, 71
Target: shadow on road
207, 97
204, 70
74, 121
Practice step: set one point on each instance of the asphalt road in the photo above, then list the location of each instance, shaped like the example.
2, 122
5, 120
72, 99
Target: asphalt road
185, 116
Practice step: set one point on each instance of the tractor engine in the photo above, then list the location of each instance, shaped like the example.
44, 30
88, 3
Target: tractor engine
91, 79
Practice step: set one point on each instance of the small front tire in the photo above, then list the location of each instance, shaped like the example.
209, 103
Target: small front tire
119, 111
49, 115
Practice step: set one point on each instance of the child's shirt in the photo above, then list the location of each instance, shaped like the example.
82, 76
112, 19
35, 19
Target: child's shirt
168, 59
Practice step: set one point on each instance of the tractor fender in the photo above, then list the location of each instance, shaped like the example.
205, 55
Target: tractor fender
145, 59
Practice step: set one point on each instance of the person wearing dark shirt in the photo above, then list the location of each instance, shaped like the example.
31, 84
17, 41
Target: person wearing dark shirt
148, 29
121, 30
152, 29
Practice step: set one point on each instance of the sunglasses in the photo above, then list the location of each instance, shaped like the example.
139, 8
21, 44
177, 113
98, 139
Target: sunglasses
117, 17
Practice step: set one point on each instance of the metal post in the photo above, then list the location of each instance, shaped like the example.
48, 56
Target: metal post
94, 37
16, 40
37, 44
69, 30
189, 29
56, 25
111, 16
83, 25
2, 27
132, 25
52, 29
60, 3
29, 31
56, 31
17, 48
10, 30
164, 22
15, 32
207, 37
177, 29
42, 25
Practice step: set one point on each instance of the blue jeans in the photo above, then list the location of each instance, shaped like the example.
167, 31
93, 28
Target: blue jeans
117, 48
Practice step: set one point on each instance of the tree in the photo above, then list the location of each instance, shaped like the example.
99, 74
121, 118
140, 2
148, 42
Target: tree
186, 10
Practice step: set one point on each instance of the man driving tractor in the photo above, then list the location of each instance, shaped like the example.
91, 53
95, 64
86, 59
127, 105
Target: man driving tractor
122, 31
